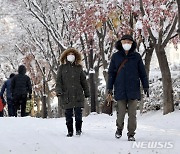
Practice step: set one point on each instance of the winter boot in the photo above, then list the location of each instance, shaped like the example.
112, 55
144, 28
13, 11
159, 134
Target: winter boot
78, 132
78, 128
70, 130
118, 133
70, 134
131, 138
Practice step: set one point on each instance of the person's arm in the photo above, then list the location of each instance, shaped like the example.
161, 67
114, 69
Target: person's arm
111, 75
59, 82
142, 74
13, 85
3, 89
84, 84
143, 77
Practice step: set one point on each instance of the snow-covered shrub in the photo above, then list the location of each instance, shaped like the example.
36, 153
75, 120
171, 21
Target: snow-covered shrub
155, 101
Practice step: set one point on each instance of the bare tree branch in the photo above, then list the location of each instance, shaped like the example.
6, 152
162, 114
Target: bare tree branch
170, 31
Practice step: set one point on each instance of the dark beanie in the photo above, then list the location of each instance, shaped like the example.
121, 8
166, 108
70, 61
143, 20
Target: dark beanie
22, 69
11, 75
127, 37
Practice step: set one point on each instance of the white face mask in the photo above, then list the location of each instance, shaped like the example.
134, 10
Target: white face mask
71, 58
126, 46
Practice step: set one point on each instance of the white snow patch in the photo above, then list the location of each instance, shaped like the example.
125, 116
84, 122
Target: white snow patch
29, 135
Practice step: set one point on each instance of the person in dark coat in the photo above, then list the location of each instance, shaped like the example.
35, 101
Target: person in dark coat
71, 88
7, 86
126, 83
20, 88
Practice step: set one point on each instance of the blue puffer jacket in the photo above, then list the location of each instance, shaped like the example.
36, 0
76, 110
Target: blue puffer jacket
6, 86
127, 83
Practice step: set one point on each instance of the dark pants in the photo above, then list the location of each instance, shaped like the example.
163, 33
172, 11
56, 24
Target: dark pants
1, 113
69, 118
11, 109
20, 103
131, 107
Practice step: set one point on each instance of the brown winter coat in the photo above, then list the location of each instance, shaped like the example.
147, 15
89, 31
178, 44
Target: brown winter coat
71, 81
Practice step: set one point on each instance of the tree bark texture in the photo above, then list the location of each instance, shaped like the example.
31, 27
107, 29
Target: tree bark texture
168, 103
92, 79
178, 3
148, 58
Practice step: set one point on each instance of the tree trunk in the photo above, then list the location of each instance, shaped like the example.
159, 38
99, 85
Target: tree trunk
96, 88
92, 79
60, 110
92, 92
38, 114
148, 60
86, 110
178, 3
32, 114
168, 104
148, 57
49, 111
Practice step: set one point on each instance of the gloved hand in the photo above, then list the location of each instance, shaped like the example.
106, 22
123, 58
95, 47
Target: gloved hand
58, 94
110, 91
146, 91
30, 96
87, 96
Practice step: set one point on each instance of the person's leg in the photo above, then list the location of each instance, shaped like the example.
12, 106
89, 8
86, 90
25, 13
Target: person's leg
132, 124
23, 105
121, 111
16, 101
10, 107
13, 108
69, 121
10, 110
1, 113
78, 119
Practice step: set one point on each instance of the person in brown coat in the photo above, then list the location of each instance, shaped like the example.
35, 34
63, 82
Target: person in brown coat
72, 88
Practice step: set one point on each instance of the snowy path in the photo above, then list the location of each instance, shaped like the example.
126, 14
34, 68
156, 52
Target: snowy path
48, 136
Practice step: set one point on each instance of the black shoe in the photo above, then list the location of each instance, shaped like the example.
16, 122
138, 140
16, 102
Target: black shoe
131, 138
70, 130
118, 133
70, 134
78, 127
78, 132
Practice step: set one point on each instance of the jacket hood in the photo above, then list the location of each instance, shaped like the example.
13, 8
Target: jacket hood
22, 70
77, 54
119, 47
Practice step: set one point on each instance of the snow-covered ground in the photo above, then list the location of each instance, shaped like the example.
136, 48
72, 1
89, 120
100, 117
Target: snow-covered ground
29, 135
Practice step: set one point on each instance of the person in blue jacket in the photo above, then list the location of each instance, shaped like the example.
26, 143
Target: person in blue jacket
126, 83
7, 87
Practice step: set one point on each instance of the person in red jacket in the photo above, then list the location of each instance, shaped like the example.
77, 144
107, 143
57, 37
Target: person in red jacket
2, 105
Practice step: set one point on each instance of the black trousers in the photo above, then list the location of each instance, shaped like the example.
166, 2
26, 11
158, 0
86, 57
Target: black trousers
20, 103
69, 118
11, 109
1, 113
